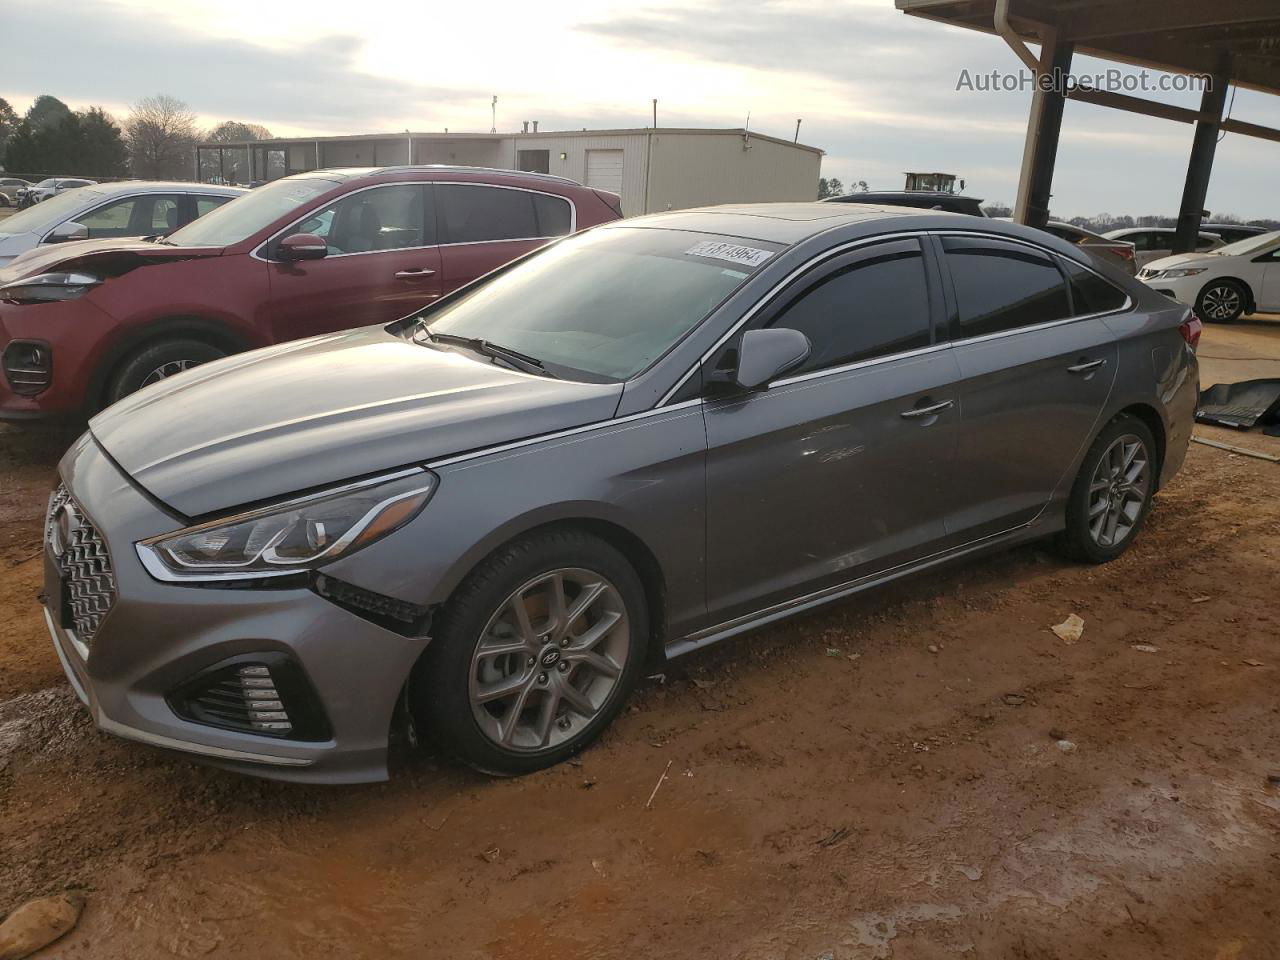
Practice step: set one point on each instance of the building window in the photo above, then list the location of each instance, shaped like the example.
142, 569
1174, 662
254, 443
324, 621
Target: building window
533, 161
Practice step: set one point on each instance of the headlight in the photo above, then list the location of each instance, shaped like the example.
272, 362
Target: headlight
1181, 272
290, 537
50, 287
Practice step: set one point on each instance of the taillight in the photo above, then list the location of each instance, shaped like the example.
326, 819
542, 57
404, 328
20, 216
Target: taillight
1191, 328
611, 200
1124, 252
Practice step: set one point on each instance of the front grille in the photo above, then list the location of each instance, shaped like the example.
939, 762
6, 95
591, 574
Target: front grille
28, 367
265, 694
88, 582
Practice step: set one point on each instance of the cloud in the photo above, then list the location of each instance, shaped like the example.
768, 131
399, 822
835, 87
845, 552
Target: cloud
108, 56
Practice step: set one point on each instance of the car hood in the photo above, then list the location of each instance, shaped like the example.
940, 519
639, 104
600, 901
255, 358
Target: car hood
1182, 259
112, 256
277, 421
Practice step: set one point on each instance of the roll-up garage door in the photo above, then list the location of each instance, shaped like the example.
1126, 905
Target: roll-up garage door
604, 170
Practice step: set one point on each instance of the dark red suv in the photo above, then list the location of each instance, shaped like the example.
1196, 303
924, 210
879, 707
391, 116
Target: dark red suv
84, 324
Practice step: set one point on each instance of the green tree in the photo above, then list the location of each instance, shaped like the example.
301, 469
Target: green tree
47, 111
87, 144
8, 125
830, 187
102, 144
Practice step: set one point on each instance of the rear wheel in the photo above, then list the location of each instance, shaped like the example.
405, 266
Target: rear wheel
157, 362
1112, 493
535, 654
1222, 301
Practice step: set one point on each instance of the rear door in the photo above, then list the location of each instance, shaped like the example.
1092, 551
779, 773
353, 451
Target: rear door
1037, 362
383, 263
836, 470
484, 226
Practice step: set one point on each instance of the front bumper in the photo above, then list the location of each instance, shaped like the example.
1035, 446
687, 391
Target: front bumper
1183, 289
156, 637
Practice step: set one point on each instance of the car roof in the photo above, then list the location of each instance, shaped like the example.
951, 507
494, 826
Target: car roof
351, 173
121, 187
789, 223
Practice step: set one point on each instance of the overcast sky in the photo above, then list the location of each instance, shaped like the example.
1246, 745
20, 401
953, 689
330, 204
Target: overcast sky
875, 89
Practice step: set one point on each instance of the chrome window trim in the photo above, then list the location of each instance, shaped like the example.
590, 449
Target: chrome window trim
861, 364
75, 218
573, 219
865, 241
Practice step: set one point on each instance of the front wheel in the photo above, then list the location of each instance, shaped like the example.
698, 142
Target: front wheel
1112, 493
1222, 301
534, 655
157, 362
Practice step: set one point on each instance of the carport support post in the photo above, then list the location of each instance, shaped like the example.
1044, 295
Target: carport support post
1199, 170
1043, 129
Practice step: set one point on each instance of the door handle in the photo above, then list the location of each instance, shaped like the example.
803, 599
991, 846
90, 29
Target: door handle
418, 274
929, 411
1087, 367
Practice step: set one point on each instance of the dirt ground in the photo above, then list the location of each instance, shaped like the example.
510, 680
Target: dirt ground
882, 779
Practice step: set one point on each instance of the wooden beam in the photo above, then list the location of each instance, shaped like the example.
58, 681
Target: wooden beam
1251, 130
1148, 108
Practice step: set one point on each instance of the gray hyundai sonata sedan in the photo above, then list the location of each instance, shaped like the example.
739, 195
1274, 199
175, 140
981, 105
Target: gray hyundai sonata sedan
637, 441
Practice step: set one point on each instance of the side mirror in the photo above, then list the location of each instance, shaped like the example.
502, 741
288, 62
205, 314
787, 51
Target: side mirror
67, 231
766, 354
303, 246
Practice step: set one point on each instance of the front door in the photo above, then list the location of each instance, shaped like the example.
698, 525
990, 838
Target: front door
1034, 380
834, 471
1269, 296
383, 263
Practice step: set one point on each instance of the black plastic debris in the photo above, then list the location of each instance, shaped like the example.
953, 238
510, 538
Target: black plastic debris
1241, 405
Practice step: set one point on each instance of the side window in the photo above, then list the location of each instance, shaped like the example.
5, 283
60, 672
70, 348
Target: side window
475, 214
1092, 294
1002, 286
110, 220
393, 217
876, 305
1203, 242
205, 204
164, 214
554, 216
1140, 241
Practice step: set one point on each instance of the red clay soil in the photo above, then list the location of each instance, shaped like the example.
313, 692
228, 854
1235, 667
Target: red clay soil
882, 779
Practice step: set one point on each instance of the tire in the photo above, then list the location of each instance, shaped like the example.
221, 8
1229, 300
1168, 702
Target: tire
547, 680
1127, 497
1222, 301
148, 365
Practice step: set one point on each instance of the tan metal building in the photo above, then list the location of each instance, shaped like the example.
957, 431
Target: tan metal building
651, 169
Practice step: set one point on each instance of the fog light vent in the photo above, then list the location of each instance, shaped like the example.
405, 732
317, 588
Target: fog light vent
28, 366
398, 615
265, 695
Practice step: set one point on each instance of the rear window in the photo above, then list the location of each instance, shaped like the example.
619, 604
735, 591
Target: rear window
1001, 286
474, 213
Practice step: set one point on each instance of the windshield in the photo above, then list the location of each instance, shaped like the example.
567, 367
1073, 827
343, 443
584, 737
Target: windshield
606, 303
42, 216
1248, 245
48, 182
249, 213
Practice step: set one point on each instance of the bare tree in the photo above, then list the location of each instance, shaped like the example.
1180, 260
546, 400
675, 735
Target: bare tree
161, 134
231, 131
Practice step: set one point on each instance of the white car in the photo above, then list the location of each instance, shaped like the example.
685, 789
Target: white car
1154, 243
1225, 284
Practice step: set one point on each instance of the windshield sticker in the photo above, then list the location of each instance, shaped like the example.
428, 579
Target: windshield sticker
733, 252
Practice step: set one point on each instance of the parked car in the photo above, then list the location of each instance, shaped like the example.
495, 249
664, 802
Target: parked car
110, 211
643, 439
9, 187
1224, 284
918, 199
51, 187
1152, 243
1231, 232
84, 325
1119, 252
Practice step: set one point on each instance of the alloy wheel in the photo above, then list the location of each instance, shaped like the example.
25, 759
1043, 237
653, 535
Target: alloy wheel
1221, 302
548, 660
166, 370
1118, 491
